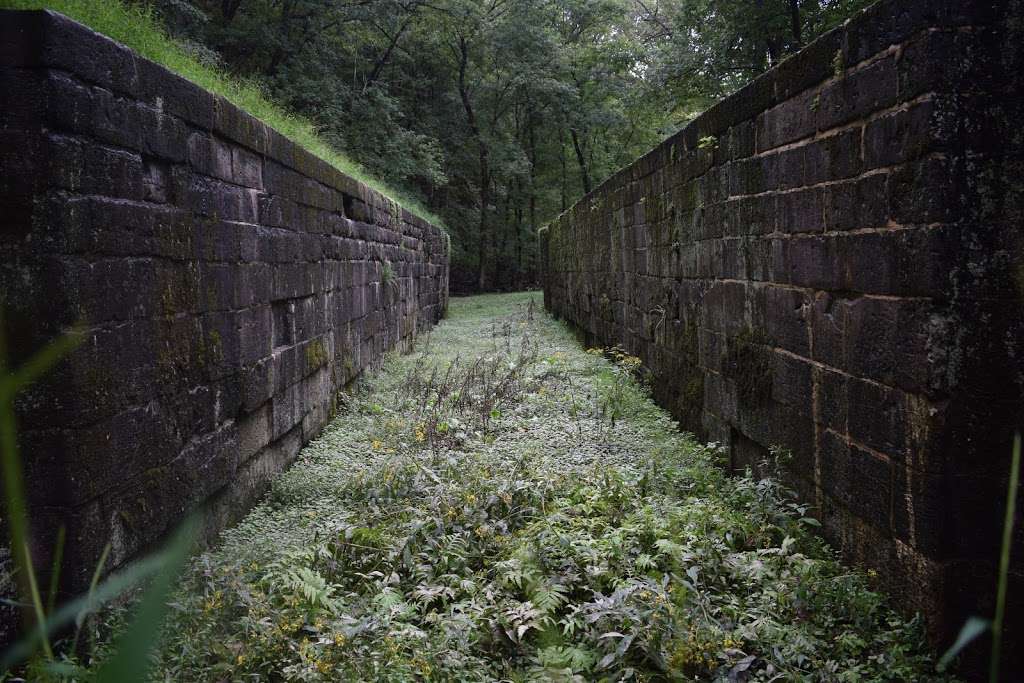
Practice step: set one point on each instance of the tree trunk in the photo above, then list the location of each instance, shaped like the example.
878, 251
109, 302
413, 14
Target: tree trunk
794, 16
228, 9
533, 190
378, 67
499, 253
517, 276
584, 175
484, 235
561, 157
772, 43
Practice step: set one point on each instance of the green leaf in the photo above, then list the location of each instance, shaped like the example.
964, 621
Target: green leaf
11, 382
131, 660
76, 610
606, 661
972, 628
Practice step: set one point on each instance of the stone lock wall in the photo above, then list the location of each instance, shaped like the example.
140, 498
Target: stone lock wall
830, 260
229, 282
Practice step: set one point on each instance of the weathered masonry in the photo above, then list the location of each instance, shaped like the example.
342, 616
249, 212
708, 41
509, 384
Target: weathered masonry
831, 261
230, 283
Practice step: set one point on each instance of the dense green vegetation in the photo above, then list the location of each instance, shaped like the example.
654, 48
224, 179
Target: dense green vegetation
501, 505
497, 114
493, 115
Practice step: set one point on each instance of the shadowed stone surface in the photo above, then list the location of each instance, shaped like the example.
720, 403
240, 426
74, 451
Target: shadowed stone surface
830, 260
230, 284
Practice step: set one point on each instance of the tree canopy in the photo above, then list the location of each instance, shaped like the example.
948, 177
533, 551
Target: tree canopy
497, 114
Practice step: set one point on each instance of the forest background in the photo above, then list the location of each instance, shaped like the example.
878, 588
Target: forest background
496, 115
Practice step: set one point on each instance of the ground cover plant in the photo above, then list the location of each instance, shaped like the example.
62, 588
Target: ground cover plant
503, 505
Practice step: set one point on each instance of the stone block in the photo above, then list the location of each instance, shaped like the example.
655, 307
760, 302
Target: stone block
808, 261
925, 64
791, 381
857, 204
211, 353
253, 283
286, 411
217, 287
830, 400
878, 417
219, 200
916, 260
217, 240
66, 104
21, 38
801, 211
255, 332
105, 384
116, 120
859, 480
921, 510
236, 125
170, 94
71, 47
253, 432
832, 158
893, 22
927, 191
113, 289
789, 168
855, 95
741, 142
745, 177
209, 155
907, 134
87, 168
789, 121
787, 319
289, 366
886, 340
77, 461
811, 66
247, 168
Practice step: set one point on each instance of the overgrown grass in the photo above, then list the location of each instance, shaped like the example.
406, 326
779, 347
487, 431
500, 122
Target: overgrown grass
502, 505
136, 26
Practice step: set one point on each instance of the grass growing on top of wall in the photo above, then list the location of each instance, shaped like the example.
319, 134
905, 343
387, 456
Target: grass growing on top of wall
139, 29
